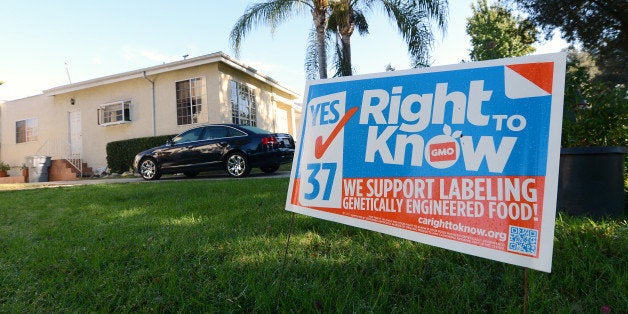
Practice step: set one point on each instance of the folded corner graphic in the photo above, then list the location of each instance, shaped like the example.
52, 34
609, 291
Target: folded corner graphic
528, 80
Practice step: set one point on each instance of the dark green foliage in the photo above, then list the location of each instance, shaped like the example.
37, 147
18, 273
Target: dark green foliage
498, 33
595, 113
120, 154
600, 26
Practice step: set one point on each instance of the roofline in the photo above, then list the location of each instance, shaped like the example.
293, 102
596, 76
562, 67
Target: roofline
168, 67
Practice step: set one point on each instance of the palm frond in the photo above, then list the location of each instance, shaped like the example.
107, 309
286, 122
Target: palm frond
413, 20
360, 22
311, 58
270, 13
435, 9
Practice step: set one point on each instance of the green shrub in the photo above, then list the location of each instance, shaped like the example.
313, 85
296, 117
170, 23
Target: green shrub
596, 112
120, 154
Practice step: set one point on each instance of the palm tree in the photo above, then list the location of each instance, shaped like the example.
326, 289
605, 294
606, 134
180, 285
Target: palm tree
345, 17
274, 12
413, 19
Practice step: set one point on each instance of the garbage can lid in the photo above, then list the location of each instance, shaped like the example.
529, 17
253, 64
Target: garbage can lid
594, 150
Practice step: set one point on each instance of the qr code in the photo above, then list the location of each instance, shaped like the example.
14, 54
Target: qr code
522, 240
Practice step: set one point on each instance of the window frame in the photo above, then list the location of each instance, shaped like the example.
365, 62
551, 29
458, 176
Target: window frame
126, 116
250, 91
31, 133
196, 104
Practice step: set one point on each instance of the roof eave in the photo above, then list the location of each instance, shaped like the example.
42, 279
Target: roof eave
168, 67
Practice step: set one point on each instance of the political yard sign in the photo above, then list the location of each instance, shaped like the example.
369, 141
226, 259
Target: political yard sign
463, 157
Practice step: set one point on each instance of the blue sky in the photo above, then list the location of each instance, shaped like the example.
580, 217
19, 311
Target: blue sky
99, 38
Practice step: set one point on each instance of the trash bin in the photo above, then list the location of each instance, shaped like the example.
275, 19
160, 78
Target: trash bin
38, 168
591, 181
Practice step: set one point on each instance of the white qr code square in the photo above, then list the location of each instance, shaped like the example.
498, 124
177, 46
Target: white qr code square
522, 240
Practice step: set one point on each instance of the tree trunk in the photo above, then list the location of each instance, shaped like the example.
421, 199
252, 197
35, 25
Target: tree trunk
346, 29
320, 24
322, 53
347, 70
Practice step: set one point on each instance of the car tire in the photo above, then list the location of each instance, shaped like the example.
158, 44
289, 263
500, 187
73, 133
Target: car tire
190, 174
149, 170
270, 169
237, 165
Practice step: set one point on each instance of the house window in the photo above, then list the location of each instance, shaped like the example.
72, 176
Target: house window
114, 113
190, 107
243, 104
26, 130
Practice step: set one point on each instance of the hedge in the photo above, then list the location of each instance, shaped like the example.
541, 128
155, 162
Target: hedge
120, 154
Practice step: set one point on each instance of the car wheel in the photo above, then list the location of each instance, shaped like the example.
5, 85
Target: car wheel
237, 165
190, 174
270, 169
149, 169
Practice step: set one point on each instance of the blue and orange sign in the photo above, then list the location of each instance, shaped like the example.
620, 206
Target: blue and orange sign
463, 157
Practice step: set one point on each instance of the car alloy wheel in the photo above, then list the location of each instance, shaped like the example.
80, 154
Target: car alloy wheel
149, 170
237, 165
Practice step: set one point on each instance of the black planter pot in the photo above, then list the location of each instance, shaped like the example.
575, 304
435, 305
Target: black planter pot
591, 181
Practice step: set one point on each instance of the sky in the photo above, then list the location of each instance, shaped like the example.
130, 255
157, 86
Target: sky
45, 44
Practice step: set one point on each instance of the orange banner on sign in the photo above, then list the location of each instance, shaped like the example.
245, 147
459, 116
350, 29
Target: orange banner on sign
481, 211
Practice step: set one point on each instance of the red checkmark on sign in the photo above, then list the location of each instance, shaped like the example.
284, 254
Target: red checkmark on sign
319, 147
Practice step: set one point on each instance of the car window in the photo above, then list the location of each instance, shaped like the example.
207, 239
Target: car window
212, 132
231, 132
254, 129
188, 136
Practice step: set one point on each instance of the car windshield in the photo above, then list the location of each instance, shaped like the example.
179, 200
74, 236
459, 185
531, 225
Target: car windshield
254, 129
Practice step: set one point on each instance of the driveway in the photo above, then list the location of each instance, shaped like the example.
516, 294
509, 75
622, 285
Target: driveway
165, 178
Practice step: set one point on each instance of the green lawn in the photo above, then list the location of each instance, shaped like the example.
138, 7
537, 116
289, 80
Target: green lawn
218, 246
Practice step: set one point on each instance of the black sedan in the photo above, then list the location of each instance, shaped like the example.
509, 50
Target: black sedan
235, 148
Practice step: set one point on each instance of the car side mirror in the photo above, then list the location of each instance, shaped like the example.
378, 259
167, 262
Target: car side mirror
169, 142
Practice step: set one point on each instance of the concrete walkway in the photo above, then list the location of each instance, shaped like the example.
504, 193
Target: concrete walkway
120, 180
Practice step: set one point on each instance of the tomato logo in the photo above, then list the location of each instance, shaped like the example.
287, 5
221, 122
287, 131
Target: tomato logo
443, 150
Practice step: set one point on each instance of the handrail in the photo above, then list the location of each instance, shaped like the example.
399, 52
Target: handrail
61, 149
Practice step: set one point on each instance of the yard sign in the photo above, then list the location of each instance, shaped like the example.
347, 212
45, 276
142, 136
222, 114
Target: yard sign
463, 157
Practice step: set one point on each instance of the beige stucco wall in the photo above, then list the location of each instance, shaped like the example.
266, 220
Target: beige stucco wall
53, 111
31, 107
269, 100
94, 136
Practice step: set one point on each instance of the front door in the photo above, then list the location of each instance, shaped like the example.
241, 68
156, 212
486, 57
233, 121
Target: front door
282, 121
76, 135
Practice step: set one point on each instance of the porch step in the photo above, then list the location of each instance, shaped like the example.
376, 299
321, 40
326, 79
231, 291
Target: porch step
9, 180
62, 170
88, 172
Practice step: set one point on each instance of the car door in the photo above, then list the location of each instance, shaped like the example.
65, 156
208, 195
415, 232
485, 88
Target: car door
215, 141
182, 151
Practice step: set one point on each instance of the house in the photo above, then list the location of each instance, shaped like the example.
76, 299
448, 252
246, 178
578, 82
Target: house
75, 122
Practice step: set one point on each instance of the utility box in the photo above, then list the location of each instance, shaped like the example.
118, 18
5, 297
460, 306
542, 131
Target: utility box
38, 168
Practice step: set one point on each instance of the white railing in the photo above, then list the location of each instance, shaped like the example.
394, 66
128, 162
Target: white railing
61, 149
